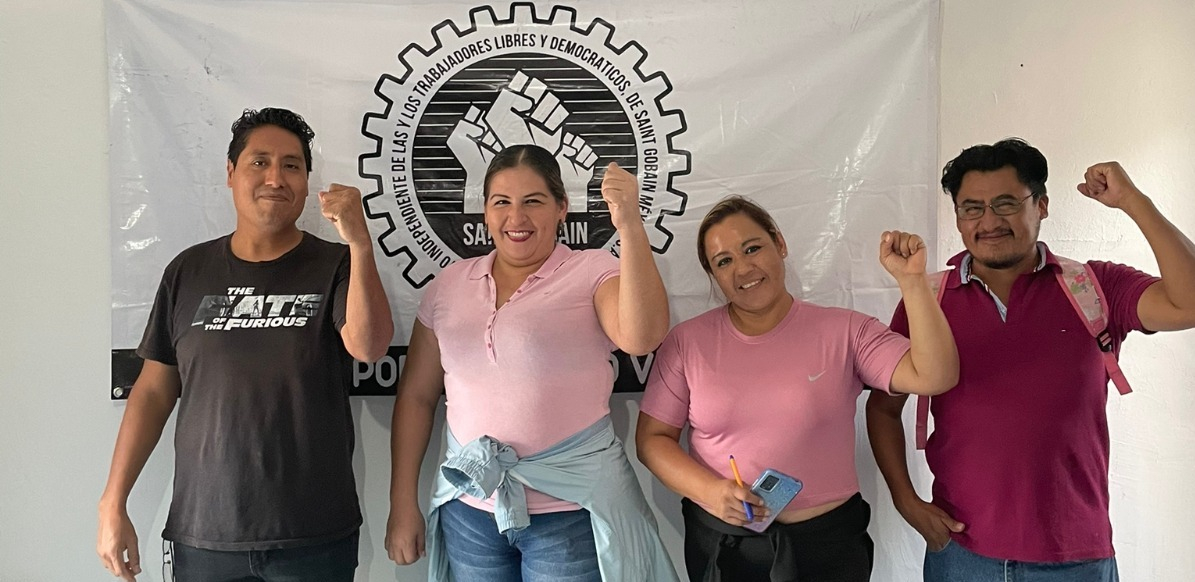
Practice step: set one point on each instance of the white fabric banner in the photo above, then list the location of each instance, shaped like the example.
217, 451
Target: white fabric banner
825, 112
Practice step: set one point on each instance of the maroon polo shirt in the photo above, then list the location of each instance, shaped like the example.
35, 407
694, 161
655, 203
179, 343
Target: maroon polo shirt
1019, 450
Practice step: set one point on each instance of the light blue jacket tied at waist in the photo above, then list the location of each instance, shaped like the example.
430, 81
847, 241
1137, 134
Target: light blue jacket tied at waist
589, 468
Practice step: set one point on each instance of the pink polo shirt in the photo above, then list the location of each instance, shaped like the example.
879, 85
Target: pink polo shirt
785, 399
1019, 449
532, 372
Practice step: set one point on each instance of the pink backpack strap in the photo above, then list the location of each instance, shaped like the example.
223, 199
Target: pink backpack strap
937, 284
1087, 297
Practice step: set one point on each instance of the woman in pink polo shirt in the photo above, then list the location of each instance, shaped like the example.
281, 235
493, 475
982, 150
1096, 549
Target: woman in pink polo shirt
519, 342
774, 381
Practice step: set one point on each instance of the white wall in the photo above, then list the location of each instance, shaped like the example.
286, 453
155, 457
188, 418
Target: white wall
1085, 80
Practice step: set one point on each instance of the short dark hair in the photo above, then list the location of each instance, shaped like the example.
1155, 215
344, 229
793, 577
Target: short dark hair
727, 207
540, 160
284, 118
1029, 163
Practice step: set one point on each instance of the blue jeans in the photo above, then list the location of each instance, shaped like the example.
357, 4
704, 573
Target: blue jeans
955, 563
556, 547
328, 562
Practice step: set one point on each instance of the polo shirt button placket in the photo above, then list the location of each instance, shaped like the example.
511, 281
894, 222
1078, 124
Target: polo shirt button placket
489, 337
489, 326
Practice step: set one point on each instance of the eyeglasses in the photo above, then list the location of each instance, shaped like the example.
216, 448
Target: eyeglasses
1003, 207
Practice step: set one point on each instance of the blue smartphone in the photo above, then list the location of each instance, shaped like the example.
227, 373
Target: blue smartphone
777, 490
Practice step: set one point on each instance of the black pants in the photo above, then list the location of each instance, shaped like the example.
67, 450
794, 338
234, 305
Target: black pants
833, 547
328, 562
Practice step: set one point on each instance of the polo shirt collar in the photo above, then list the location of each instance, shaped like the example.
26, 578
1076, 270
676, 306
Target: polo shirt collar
485, 267
962, 265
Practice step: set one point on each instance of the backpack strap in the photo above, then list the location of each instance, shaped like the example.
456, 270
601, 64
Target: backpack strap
937, 284
1087, 297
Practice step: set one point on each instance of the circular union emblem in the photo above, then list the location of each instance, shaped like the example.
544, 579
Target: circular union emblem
523, 79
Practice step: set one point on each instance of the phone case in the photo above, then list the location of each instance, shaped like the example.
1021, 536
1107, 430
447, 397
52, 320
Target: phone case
780, 491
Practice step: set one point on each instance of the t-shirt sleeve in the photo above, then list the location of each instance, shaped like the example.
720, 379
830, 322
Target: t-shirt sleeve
340, 291
877, 350
157, 343
427, 305
603, 266
666, 397
1122, 286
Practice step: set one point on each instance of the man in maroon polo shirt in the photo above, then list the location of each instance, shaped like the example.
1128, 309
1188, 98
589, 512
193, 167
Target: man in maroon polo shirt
1020, 447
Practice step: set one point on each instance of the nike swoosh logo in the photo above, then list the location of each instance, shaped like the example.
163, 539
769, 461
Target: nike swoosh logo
814, 377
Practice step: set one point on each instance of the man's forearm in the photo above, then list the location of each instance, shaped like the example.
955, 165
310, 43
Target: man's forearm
886, 432
145, 416
368, 326
1174, 252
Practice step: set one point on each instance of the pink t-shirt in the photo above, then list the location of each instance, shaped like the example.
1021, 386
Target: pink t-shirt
783, 400
532, 372
1019, 449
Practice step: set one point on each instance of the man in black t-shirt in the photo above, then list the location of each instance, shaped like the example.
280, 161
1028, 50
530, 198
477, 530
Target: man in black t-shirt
253, 334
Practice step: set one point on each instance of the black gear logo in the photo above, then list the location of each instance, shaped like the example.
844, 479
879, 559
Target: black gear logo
505, 81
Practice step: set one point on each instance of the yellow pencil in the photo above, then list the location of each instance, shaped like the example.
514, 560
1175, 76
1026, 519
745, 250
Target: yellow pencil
734, 467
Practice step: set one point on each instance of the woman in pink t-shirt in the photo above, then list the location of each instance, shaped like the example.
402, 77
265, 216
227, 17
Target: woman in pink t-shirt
774, 381
519, 342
